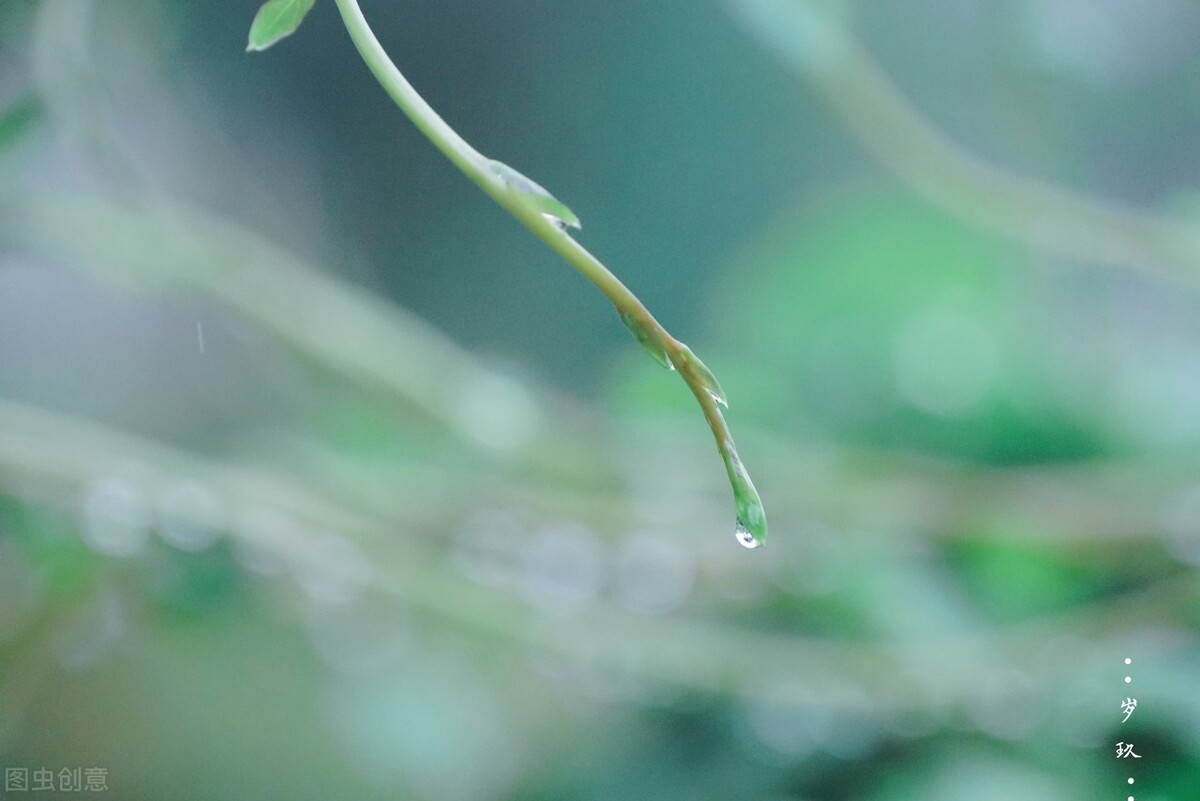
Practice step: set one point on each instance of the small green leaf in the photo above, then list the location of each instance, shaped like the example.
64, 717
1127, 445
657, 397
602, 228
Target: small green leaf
535, 195
17, 119
686, 360
276, 20
649, 342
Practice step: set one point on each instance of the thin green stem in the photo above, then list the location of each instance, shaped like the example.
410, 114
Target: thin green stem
480, 170
476, 166
430, 123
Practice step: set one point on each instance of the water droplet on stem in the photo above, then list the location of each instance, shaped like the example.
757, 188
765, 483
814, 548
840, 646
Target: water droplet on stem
751, 528
744, 537
535, 195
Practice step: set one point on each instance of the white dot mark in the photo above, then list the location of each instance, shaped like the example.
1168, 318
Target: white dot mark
1128, 679
1130, 780
1128, 661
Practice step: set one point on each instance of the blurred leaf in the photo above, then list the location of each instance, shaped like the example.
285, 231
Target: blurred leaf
708, 381
892, 324
649, 342
277, 19
1012, 581
18, 119
191, 584
51, 544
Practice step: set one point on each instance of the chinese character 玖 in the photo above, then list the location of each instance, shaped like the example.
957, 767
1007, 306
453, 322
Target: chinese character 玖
16, 779
96, 779
70, 780
43, 779
1126, 750
1127, 706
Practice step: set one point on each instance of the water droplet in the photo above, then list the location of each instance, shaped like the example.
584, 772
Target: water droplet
535, 195
744, 537
649, 342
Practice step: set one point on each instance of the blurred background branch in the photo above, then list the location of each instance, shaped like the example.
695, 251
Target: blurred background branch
813, 39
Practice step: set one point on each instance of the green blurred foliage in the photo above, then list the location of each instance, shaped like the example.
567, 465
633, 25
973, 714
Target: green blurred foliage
879, 321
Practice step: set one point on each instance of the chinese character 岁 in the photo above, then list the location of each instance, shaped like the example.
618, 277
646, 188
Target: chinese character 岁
1127, 706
